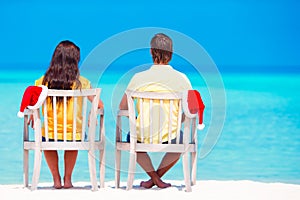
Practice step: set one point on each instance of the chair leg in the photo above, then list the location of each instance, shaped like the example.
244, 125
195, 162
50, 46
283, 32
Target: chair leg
186, 172
194, 167
92, 167
131, 169
117, 168
25, 167
102, 168
36, 168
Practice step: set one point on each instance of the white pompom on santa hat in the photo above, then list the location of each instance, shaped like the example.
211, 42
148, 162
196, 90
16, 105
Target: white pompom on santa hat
33, 98
195, 105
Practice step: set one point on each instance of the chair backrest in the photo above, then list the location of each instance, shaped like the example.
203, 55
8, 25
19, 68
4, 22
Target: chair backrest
159, 117
63, 121
69, 119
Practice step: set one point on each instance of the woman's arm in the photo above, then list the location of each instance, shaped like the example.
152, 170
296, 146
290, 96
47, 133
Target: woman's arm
100, 103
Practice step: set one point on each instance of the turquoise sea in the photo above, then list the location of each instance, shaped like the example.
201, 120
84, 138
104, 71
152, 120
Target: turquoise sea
260, 139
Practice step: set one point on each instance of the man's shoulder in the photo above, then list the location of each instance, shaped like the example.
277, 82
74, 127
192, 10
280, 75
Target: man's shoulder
141, 73
177, 72
182, 77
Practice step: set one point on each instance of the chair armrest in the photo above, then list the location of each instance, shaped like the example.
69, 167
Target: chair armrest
123, 113
120, 114
100, 111
28, 112
26, 124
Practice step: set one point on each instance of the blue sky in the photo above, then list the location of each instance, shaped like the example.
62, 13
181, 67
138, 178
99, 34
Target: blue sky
240, 34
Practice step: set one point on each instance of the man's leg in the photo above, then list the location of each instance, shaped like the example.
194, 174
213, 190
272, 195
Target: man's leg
145, 162
168, 161
52, 161
70, 160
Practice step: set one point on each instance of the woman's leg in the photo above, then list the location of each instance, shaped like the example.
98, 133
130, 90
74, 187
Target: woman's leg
52, 161
70, 160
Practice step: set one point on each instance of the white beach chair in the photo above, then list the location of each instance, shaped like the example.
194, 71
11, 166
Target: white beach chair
189, 144
90, 143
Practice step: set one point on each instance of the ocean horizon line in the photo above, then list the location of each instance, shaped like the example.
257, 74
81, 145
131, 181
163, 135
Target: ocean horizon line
264, 69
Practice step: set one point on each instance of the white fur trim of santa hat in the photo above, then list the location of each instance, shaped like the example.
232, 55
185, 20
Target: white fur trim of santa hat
20, 114
200, 126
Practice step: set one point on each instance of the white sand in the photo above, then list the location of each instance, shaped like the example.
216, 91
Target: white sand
241, 190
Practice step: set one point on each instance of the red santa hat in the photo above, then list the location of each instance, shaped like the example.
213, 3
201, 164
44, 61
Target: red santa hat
33, 98
194, 105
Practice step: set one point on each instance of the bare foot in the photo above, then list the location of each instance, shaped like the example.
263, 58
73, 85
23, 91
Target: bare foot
147, 184
67, 184
57, 183
162, 184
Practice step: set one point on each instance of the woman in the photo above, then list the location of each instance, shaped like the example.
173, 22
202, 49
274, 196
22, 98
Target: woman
63, 73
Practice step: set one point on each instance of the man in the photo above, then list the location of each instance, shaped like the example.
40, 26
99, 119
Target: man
161, 77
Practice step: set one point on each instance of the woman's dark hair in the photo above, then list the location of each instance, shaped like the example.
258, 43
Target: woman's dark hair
161, 48
63, 72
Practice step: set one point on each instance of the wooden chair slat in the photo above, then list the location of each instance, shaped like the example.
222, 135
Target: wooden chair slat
54, 118
161, 119
74, 118
141, 120
179, 123
151, 120
65, 118
84, 108
46, 121
170, 121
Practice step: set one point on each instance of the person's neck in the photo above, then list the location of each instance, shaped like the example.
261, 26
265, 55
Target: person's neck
155, 63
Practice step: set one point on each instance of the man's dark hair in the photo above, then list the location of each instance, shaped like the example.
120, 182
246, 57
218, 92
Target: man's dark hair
161, 48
